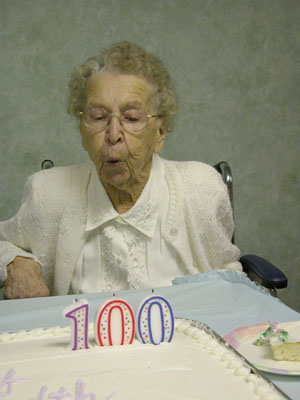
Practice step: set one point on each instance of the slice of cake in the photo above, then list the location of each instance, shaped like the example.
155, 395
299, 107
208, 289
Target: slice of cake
287, 351
285, 346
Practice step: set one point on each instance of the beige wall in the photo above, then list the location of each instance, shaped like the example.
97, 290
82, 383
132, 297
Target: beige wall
236, 68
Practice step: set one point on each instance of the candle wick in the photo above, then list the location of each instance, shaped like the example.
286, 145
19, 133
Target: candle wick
152, 290
75, 300
114, 294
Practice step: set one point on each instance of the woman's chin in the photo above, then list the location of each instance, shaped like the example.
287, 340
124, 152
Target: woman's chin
116, 176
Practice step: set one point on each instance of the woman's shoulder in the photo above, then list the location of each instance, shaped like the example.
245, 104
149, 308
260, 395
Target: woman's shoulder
196, 182
193, 172
57, 186
62, 176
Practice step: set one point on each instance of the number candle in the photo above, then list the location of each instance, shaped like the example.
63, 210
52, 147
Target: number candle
155, 323
114, 323
79, 313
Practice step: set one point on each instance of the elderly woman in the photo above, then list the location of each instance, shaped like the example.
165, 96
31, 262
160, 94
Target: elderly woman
127, 219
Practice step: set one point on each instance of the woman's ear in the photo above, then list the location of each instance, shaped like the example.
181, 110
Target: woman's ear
83, 138
160, 138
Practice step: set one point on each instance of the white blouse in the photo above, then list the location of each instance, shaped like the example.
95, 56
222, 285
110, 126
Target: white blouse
126, 251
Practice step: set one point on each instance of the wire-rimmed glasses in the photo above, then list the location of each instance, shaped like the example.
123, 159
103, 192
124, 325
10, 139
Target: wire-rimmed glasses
132, 120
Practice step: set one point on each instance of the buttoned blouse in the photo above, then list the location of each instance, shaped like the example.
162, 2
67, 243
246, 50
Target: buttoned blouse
126, 251
60, 227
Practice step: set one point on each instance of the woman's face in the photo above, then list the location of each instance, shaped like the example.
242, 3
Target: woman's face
121, 158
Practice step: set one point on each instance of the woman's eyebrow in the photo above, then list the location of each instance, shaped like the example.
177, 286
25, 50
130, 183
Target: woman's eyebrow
126, 106
96, 105
131, 104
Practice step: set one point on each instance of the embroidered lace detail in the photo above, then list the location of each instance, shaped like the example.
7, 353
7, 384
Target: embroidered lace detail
143, 216
112, 251
136, 265
123, 251
109, 231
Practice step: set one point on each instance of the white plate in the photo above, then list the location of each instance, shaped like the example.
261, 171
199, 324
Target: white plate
261, 356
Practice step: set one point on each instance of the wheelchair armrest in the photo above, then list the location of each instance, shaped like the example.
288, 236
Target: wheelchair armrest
263, 272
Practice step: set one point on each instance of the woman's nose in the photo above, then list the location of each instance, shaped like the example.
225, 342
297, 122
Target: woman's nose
114, 132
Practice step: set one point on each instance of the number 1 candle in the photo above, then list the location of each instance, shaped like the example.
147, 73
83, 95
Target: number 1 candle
79, 313
155, 321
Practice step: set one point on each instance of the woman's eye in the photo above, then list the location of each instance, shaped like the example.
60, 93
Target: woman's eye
98, 116
132, 116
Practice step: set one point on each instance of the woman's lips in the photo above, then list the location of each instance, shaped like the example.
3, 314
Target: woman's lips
113, 161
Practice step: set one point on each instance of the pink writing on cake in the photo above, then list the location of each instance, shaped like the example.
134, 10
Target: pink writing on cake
63, 394
80, 392
6, 390
60, 395
41, 395
7, 381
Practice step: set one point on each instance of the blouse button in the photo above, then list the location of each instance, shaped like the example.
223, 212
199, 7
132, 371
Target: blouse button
109, 231
135, 262
173, 231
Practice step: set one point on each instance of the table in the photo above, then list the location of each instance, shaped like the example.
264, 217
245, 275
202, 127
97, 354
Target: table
219, 301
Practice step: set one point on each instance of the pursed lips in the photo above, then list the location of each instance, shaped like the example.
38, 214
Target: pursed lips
113, 161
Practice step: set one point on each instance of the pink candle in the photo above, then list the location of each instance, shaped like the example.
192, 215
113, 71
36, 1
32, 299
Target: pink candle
79, 313
114, 323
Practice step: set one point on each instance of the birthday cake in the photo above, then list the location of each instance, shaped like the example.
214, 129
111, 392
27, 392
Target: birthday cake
39, 365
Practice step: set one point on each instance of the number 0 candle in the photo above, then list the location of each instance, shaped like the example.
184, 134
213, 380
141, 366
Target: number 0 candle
79, 313
155, 321
114, 323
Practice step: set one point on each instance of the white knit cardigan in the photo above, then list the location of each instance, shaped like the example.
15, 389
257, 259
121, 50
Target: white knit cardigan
50, 224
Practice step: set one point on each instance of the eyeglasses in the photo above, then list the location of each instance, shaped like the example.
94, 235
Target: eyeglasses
132, 120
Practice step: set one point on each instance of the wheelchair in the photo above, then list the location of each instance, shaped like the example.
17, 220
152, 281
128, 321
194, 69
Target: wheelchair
257, 268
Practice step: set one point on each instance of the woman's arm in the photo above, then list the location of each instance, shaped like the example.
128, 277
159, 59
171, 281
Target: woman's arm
20, 269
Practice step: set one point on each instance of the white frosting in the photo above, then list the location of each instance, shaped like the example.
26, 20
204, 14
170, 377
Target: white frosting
193, 366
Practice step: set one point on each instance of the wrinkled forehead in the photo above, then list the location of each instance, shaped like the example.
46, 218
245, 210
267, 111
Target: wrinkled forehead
115, 91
